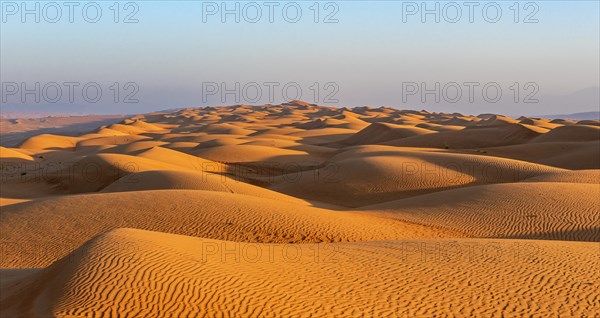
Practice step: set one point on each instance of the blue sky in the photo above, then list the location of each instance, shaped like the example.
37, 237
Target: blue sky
368, 57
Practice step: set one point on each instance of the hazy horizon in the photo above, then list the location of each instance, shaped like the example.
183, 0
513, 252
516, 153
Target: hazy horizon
71, 110
166, 55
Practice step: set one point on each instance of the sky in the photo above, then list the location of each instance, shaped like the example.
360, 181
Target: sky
538, 57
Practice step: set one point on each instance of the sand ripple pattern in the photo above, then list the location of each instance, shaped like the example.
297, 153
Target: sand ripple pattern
29, 242
532, 210
134, 273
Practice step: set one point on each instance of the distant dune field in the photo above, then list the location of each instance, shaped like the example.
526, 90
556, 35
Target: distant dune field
299, 210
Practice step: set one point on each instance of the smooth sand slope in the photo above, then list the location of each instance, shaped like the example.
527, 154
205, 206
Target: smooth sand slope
208, 214
370, 174
544, 210
577, 176
178, 276
569, 155
389, 212
192, 180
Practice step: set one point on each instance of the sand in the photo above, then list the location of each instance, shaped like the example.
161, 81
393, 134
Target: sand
299, 210
179, 276
15, 130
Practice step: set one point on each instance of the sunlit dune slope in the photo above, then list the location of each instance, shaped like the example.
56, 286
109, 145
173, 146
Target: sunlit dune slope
577, 176
13, 155
570, 133
192, 180
534, 210
471, 137
139, 274
381, 132
569, 155
45, 141
209, 214
369, 174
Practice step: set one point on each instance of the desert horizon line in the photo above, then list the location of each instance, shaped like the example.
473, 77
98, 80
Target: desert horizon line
42, 114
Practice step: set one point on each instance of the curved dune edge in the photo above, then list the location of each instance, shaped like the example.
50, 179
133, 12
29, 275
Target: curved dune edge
533, 210
577, 176
570, 133
8, 201
191, 180
138, 273
209, 214
46, 141
8, 154
578, 155
367, 175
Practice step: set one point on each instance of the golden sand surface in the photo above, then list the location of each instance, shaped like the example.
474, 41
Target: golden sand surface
299, 210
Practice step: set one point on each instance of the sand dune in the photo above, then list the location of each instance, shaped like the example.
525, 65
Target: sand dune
253, 153
569, 155
46, 141
8, 154
539, 122
496, 120
226, 129
109, 132
370, 174
127, 129
570, 133
15, 131
180, 159
198, 137
589, 122
5, 201
225, 141
544, 210
324, 135
134, 147
472, 137
209, 214
110, 140
178, 276
145, 126
352, 120
381, 132
438, 127
514, 201
578, 176
346, 120
192, 180
94, 172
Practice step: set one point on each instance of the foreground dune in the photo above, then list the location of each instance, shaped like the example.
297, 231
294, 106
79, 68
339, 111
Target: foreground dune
208, 214
354, 211
178, 276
